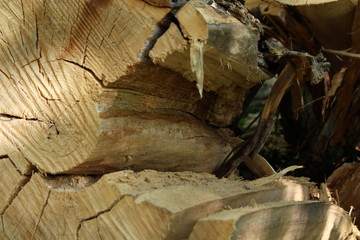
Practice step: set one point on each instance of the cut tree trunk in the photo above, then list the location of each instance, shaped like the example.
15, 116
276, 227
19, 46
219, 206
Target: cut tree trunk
90, 87
295, 220
80, 93
163, 205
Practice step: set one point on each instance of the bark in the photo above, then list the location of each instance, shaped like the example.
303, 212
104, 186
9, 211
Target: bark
335, 132
320, 116
343, 183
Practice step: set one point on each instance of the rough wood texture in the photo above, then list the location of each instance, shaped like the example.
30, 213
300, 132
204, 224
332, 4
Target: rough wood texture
12, 182
287, 220
128, 205
322, 118
220, 55
80, 94
344, 184
339, 13
163, 205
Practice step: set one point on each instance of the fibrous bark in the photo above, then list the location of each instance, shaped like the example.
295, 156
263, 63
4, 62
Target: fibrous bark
343, 183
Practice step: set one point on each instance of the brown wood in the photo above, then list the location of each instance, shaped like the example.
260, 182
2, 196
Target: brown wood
344, 184
339, 13
321, 117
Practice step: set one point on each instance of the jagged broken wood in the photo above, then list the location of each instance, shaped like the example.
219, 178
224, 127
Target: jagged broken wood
343, 183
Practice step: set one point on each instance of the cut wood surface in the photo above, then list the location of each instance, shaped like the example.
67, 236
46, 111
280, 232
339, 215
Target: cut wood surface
12, 182
287, 220
164, 205
128, 205
80, 94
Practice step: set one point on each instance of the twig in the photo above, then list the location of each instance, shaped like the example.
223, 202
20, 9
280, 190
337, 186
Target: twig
309, 103
342, 53
252, 123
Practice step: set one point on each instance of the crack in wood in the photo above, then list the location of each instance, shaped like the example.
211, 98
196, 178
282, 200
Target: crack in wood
97, 215
98, 80
36, 33
86, 47
158, 31
32, 165
3, 228
46, 98
53, 124
30, 62
2, 71
41, 214
114, 24
14, 165
11, 200
10, 117
23, 10
22, 41
22, 183
12, 56
98, 229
